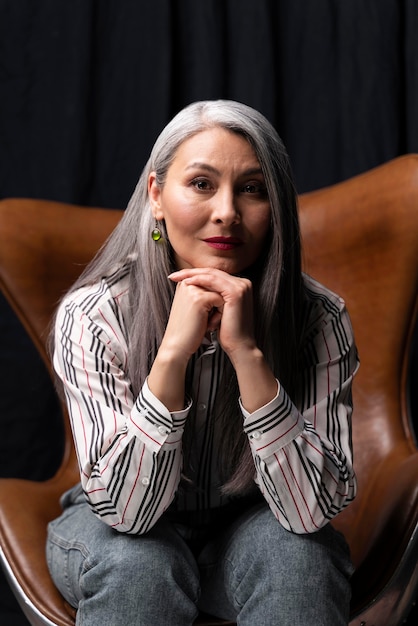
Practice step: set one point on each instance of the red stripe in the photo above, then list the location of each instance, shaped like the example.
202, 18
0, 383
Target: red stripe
300, 491
143, 432
290, 491
134, 485
110, 325
277, 439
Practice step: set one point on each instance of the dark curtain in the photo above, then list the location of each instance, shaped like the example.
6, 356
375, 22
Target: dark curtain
86, 86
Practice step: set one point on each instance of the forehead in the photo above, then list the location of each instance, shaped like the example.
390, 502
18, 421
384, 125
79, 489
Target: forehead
216, 145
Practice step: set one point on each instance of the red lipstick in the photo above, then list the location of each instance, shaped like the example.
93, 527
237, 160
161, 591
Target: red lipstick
224, 243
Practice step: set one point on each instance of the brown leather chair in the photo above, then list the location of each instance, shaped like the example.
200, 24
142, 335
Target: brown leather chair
360, 237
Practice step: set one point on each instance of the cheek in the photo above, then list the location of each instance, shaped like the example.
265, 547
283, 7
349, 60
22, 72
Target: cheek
179, 212
182, 223
262, 226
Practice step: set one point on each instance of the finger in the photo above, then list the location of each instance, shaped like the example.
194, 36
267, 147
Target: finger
230, 288
180, 275
193, 295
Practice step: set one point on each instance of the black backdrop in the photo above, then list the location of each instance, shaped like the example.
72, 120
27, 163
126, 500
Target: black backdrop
86, 86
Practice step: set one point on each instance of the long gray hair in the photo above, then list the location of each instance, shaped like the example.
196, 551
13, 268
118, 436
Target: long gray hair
277, 276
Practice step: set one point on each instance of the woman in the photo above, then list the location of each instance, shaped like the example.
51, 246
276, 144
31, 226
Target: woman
209, 389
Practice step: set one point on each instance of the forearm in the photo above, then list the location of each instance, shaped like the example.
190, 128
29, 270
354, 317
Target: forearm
256, 381
305, 475
166, 379
289, 482
129, 448
133, 479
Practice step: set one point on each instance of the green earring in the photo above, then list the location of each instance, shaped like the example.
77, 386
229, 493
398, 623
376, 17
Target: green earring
156, 233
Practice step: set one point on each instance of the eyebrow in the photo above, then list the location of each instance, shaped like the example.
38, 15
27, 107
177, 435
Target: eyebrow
205, 166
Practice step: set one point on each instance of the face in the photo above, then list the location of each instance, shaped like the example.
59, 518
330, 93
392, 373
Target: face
214, 202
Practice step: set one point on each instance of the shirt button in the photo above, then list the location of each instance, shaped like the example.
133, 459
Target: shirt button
201, 406
145, 481
162, 430
256, 435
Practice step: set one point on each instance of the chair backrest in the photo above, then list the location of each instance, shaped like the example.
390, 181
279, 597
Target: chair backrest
360, 238
44, 247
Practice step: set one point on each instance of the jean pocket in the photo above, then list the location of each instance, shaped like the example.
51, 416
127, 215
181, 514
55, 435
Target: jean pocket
66, 562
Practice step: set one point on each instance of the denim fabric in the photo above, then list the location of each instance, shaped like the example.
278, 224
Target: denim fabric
254, 572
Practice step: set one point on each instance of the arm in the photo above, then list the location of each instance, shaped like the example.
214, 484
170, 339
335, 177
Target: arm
302, 456
129, 449
303, 459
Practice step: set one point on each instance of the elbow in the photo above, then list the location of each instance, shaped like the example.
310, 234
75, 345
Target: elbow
125, 525
327, 509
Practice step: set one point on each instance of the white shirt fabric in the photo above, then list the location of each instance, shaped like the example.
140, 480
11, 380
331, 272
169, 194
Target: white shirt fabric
129, 448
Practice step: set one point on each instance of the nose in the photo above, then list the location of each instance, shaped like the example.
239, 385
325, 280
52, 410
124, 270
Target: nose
225, 209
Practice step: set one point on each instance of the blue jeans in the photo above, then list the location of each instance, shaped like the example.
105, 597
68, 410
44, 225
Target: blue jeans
253, 572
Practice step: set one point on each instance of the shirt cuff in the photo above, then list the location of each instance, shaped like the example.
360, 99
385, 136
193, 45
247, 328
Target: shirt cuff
272, 426
153, 423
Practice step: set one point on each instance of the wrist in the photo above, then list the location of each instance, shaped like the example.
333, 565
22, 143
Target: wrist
170, 356
256, 381
166, 380
246, 355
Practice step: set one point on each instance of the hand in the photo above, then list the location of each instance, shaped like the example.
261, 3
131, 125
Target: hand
207, 299
190, 317
225, 303
233, 316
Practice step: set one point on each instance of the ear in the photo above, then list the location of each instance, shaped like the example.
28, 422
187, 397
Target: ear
154, 194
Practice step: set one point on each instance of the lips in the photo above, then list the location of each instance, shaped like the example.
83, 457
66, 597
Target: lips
224, 243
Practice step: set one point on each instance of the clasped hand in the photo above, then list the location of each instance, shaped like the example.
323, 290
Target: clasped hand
209, 299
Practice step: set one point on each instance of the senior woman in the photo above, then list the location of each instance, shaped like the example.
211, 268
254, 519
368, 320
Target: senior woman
208, 382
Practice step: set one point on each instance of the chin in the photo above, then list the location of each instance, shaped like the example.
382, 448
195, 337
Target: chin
228, 267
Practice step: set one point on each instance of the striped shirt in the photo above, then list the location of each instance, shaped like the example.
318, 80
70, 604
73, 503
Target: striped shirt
129, 448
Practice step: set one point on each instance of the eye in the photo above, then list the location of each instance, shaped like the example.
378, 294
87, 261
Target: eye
255, 188
201, 184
